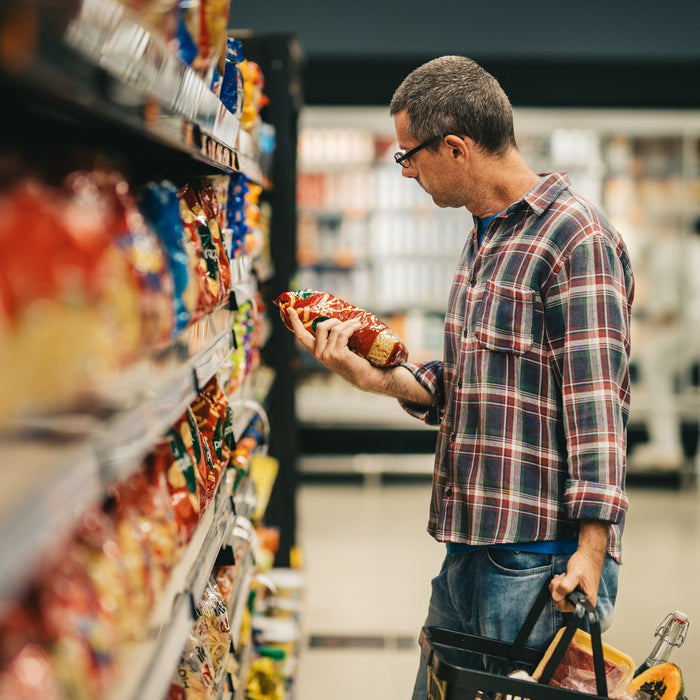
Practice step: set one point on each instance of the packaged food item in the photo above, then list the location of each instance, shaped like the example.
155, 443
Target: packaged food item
576, 669
78, 618
160, 207
232, 93
213, 611
60, 270
152, 281
194, 218
158, 520
374, 341
202, 35
196, 446
254, 98
194, 678
137, 563
215, 422
225, 577
172, 458
212, 209
139, 519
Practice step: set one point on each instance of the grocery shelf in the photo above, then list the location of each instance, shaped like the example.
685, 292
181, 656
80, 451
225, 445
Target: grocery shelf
56, 477
46, 488
153, 661
103, 67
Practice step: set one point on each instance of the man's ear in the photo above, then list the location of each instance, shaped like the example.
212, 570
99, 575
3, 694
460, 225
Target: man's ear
459, 145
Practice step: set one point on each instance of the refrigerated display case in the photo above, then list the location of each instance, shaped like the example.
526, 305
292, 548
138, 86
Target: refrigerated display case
375, 238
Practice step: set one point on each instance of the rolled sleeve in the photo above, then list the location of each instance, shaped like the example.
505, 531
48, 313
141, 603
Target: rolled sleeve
430, 377
588, 500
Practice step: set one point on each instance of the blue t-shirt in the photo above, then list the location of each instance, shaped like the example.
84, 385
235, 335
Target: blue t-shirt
545, 547
481, 225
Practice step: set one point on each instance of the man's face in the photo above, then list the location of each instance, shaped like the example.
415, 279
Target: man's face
434, 171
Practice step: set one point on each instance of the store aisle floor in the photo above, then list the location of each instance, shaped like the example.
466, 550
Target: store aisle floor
368, 563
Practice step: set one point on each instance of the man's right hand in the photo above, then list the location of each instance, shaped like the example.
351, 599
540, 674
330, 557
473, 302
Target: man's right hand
330, 347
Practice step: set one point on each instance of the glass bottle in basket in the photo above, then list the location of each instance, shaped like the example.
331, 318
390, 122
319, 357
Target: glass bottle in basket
671, 633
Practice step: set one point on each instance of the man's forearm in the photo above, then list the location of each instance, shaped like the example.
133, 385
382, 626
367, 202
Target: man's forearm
593, 540
399, 383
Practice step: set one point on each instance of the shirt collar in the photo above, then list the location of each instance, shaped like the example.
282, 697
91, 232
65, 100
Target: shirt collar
550, 186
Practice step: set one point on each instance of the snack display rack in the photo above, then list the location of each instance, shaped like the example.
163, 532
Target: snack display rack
94, 72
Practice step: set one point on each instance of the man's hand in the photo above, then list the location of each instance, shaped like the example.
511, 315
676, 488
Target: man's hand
585, 566
330, 347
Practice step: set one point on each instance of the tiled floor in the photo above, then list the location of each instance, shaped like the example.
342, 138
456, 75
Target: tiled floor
368, 562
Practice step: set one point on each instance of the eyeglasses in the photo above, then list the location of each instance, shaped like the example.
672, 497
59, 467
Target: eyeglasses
402, 157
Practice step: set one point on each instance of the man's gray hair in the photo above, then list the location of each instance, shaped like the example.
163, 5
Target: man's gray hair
455, 95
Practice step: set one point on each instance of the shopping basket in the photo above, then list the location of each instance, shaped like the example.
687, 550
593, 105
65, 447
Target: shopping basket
449, 679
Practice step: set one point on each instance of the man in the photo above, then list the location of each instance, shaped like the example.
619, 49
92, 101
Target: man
532, 394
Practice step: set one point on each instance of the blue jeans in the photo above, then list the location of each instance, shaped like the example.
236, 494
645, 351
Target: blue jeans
489, 592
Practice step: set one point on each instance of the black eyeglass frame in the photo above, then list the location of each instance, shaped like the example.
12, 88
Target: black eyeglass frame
402, 157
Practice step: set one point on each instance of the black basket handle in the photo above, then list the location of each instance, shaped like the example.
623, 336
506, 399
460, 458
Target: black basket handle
582, 608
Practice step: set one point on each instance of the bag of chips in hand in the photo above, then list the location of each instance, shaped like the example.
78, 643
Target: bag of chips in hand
374, 341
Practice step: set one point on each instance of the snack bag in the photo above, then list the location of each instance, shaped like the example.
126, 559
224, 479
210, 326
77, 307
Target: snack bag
159, 205
173, 459
194, 678
211, 207
374, 341
232, 84
152, 282
215, 422
194, 219
159, 521
212, 610
145, 516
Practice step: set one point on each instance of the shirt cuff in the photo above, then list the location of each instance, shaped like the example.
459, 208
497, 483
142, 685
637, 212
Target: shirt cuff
589, 500
429, 375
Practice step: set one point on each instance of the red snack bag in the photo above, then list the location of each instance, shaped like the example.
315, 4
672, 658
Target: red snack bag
158, 521
193, 216
375, 341
207, 295
148, 270
215, 423
172, 458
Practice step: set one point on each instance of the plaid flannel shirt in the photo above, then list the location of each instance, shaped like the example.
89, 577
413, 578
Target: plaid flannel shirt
532, 396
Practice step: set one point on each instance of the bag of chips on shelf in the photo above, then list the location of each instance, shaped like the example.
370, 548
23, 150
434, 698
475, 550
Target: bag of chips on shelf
172, 458
195, 220
254, 98
160, 207
137, 243
215, 422
59, 268
232, 94
209, 201
194, 678
78, 619
213, 611
158, 520
374, 341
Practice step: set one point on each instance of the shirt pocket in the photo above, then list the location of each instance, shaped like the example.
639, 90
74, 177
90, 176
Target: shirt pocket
506, 320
